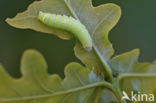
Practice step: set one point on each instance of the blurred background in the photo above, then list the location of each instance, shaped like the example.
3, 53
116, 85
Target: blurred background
136, 29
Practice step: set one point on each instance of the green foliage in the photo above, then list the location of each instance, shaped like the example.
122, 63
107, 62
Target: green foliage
103, 78
98, 20
36, 86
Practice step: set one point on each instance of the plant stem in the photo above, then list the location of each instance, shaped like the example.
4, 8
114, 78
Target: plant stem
105, 64
108, 70
118, 94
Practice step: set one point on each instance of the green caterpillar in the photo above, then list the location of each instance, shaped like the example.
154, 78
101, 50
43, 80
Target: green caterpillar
69, 24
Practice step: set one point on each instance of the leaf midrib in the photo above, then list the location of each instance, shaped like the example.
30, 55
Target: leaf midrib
104, 62
89, 86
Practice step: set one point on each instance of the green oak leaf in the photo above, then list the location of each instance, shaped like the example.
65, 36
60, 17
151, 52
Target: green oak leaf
37, 86
128, 63
28, 19
134, 76
98, 20
142, 83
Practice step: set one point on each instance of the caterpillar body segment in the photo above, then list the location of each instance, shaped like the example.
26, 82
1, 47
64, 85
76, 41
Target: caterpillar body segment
69, 24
